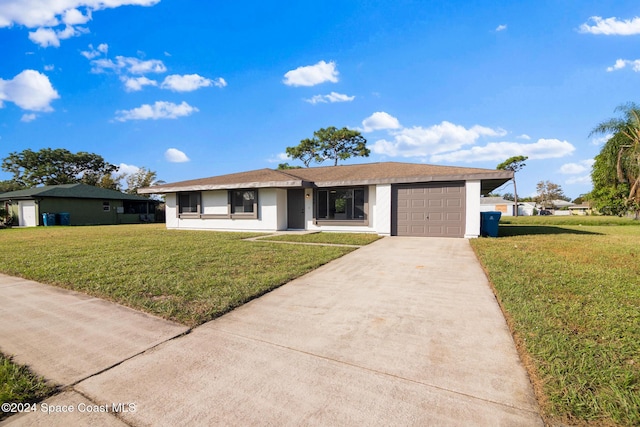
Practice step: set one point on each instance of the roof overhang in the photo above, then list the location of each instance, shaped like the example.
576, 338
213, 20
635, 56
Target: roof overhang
164, 189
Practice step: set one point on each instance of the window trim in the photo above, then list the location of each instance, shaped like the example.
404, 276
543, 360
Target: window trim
228, 215
353, 222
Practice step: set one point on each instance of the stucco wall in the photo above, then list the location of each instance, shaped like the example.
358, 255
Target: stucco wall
272, 212
472, 227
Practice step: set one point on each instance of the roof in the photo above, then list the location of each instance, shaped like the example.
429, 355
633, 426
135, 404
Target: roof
70, 191
334, 176
495, 201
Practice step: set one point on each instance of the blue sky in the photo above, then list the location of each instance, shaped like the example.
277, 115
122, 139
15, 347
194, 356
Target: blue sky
192, 89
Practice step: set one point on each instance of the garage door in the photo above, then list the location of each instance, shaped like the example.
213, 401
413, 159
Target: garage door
428, 209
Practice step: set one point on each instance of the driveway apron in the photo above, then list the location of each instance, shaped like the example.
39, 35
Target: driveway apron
405, 331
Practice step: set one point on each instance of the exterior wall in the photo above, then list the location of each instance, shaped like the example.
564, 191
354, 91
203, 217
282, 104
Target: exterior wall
472, 228
504, 209
83, 211
272, 212
382, 209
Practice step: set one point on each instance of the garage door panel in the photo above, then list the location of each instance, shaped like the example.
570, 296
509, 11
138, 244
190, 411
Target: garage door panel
429, 209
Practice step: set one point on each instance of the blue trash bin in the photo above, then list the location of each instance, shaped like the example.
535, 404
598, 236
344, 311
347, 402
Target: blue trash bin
65, 218
489, 222
48, 219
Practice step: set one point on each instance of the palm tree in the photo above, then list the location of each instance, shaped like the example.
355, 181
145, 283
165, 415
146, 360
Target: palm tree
622, 152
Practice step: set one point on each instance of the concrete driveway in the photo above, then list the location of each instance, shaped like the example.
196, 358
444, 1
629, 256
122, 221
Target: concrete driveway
405, 331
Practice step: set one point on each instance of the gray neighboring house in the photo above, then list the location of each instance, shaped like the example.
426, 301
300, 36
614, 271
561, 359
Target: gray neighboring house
84, 204
389, 198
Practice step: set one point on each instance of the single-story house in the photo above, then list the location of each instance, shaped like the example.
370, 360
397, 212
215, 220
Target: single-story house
388, 198
506, 207
80, 204
497, 204
581, 209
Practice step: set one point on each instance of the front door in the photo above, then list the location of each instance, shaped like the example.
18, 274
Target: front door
295, 209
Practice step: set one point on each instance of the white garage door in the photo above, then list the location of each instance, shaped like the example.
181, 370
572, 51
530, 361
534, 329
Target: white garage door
429, 209
27, 213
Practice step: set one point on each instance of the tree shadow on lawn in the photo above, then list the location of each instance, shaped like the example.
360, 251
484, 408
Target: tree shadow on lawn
527, 230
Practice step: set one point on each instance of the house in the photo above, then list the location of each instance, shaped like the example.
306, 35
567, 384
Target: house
582, 209
387, 198
80, 204
506, 207
497, 204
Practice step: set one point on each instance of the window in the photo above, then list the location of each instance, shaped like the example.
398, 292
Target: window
106, 206
341, 204
189, 203
243, 201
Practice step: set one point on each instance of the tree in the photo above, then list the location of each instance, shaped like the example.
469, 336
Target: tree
285, 166
6, 186
513, 164
616, 170
56, 166
547, 192
330, 144
143, 177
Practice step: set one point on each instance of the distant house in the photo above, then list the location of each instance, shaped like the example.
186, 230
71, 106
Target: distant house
497, 204
79, 204
582, 209
387, 198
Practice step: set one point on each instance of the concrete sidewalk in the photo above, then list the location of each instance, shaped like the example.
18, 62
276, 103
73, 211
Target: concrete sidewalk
405, 331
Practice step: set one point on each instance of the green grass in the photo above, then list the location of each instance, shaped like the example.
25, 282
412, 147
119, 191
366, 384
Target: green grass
18, 385
571, 294
359, 239
187, 276
580, 220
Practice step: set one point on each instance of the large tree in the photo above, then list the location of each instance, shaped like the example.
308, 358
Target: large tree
330, 144
616, 171
547, 192
56, 166
513, 164
143, 177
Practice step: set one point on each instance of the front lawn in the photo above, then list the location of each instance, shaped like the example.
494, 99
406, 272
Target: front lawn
187, 276
19, 386
571, 294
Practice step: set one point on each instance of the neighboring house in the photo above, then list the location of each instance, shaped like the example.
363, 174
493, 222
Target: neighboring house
582, 209
388, 198
497, 204
558, 207
80, 204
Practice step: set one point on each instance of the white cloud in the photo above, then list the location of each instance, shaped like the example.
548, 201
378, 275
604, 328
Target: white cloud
582, 179
422, 142
498, 151
128, 65
220, 82
501, 28
330, 98
49, 67
380, 120
128, 169
102, 48
159, 110
280, 157
602, 140
134, 84
45, 15
26, 118
525, 137
174, 155
611, 26
187, 82
622, 63
29, 90
312, 75
576, 168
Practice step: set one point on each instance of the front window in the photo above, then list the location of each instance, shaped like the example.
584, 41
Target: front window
341, 204
189, 202
106, 206
243, 201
